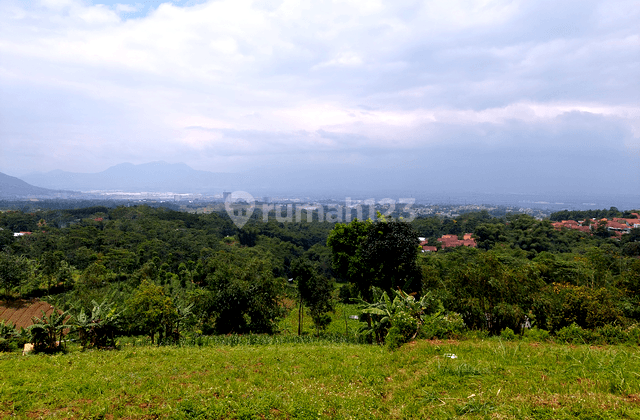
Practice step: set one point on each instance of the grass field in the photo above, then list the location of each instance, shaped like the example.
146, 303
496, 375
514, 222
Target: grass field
486, 379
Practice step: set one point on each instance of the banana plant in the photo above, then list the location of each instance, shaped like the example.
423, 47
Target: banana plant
99, 329
47, 332
380, 314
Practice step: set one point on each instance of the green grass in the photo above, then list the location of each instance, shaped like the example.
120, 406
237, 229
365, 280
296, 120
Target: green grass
339, 325
487, 379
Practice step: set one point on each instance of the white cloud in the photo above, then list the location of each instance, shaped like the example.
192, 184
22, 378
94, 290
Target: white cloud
243, 77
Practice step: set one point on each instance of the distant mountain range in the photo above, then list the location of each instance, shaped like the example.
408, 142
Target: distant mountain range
147, 177
336, 180
15, 188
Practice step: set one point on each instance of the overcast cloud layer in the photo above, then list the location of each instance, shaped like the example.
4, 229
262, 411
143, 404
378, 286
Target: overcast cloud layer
494, 94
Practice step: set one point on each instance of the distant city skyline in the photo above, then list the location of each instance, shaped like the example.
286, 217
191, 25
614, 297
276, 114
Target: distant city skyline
426, 96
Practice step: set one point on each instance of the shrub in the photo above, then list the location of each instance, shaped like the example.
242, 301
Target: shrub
611, 334
575, 334
536, 334
439, 325
633, 334
7, 336
347, 292
403, 328
508, 334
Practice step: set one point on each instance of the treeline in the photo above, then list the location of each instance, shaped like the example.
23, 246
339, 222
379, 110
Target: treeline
165, 272
590, 214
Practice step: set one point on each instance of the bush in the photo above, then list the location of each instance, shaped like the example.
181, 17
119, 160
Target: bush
8, 337
404, 328
633, 334
611, 334
575, 334
508, 334
536, 334
442, 326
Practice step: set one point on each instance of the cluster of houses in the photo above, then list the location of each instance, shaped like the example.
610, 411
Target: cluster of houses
448, 241
618, 226
16, 234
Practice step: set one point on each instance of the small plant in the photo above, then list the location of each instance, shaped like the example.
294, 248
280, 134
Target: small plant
611, 334
439, 325
575, 334
475, 407
404, 328
7, 336
536, 334
386, 324
508, 334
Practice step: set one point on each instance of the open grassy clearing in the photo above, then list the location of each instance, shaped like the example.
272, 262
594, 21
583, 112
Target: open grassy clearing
487, 379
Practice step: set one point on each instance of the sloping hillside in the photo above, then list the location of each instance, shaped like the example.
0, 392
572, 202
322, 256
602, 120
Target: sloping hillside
11, 187
20, 312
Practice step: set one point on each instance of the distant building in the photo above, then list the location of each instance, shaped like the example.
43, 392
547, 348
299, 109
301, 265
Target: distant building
617, 226
450, 241
225, 195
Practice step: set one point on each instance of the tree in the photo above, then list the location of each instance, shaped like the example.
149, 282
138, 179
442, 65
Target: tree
51, 263
382, 254
153, 310
315, 291
489, 234
389, 255
14, 271
345, 241
6, 238
243, 295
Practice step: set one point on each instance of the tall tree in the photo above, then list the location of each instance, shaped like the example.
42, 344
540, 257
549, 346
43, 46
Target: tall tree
315, 291
382, 254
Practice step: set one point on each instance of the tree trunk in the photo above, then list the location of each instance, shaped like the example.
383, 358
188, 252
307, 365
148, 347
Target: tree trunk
300, 318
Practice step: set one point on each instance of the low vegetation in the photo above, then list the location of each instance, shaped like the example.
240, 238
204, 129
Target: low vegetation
489, 378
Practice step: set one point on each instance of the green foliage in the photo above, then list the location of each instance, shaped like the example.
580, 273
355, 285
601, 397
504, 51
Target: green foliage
584, 306
243, 296
536, 334
442, 325
15, 271
401, 320
575, 334
46, 332
376, 254
508, 334
389, 254
153, 311
404, 327
493, 291
8, 335
315, 291
100, 329
345, 241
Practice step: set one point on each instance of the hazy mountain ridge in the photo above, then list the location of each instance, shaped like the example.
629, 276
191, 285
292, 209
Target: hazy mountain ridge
147, 177
12, 187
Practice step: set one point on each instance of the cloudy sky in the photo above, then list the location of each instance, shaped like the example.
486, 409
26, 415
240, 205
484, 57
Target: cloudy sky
496, 94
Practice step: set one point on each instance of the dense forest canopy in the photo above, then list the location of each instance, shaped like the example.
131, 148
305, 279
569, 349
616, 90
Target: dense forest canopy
202, 272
